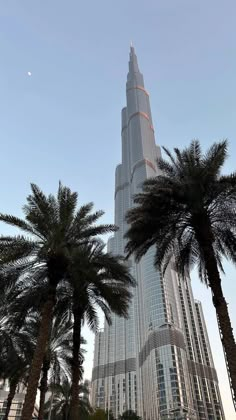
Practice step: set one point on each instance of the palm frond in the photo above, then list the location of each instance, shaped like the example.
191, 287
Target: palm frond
215, 158
191, 186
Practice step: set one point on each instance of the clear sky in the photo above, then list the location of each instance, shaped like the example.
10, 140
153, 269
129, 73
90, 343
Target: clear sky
63, 121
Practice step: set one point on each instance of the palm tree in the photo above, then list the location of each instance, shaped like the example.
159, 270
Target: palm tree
20, 308
85, 408
14, 369
16, 352
98, 279
61, 400
59, 406
54, 229
57, 359
189, 212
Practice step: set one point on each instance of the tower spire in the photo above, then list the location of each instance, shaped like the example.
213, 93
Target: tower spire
133, 61
134, 77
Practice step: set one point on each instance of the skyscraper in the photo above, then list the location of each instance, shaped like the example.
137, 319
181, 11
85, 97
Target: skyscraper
158, 362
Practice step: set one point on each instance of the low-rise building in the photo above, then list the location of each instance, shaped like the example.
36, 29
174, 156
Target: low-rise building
16, 407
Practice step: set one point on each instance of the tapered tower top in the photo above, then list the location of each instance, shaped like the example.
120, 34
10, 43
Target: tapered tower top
133, 61
134, 76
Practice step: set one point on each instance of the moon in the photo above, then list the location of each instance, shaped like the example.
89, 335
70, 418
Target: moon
29, 73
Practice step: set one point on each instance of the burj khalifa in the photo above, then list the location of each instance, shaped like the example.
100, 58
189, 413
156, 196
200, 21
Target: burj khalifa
158, 362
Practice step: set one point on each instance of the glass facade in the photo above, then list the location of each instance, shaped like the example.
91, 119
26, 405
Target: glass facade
158, 362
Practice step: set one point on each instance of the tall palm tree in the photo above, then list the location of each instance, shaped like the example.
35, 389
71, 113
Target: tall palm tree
189, 212
98, 279
54, 228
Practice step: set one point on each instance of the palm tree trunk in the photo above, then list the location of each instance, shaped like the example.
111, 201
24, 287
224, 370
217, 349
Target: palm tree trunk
11, 394
66, 413
51, 402
74, 405
226, 330
205, 239
43, 387
43, 337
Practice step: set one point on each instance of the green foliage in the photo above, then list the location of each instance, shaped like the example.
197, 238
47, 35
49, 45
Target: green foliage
111, 416
61, 247
61, 397
99, 414
53, 229
175, 207
16, 352
16, 349
98, 279
59, 263
129, 415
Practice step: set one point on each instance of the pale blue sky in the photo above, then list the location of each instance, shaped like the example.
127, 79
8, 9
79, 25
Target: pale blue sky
63, 122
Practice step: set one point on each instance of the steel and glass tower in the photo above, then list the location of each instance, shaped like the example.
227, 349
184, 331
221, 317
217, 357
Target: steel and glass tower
158, 362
